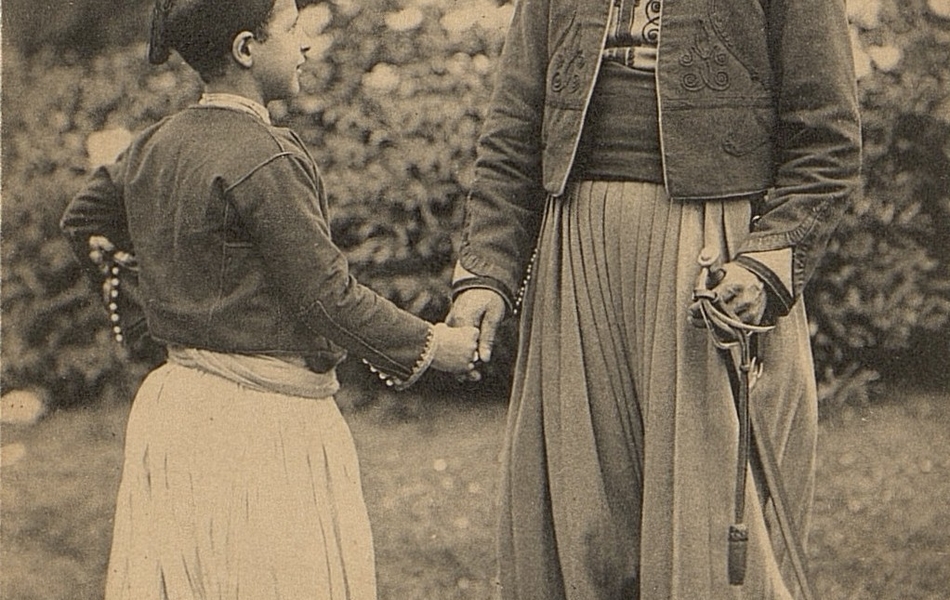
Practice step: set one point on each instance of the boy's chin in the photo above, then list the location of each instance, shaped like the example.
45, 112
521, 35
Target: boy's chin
284, 95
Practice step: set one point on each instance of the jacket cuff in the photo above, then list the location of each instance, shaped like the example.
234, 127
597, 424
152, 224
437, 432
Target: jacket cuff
780, 300
421, 366
485, 283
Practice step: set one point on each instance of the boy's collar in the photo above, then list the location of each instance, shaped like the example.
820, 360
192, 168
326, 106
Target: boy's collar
235, 102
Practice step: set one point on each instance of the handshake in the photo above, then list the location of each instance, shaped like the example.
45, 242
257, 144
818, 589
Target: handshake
470, 335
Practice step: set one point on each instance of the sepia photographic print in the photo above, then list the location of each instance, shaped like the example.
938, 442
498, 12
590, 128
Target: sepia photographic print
475, 300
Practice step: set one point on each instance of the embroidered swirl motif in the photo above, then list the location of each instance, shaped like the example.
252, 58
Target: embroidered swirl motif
651, 29
706, 62
566, 73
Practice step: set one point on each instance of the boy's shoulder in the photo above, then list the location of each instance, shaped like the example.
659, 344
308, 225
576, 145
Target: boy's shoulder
229, 130
229, 141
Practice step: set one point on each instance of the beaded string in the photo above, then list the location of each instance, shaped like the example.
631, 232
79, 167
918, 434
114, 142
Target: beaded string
111, 289
111, 294
519, 299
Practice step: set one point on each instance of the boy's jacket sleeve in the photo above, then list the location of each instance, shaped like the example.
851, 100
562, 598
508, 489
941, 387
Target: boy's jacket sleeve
283, 207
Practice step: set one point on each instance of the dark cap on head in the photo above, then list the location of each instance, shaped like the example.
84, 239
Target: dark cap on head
158, 50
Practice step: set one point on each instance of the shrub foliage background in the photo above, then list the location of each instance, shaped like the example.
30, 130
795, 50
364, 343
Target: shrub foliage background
392, 103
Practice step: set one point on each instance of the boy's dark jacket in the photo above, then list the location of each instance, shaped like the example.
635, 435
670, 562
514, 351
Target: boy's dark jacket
756, 97
229, 220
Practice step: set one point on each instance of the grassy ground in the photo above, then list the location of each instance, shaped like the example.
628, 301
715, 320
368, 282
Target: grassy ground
881, 528
882, 516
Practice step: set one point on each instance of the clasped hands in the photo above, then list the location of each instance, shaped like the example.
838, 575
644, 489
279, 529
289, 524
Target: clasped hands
484, 310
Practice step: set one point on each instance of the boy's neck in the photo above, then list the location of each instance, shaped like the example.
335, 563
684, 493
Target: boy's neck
235, 102
237, 84
219, 91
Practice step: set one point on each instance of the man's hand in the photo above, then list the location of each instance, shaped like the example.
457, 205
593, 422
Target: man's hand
739, 291
481, 308
454, 349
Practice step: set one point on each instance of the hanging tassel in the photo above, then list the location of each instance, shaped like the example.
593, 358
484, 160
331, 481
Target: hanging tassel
738, 542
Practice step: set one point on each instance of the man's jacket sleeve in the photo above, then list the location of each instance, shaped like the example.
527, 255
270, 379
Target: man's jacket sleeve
507, 197
817, 146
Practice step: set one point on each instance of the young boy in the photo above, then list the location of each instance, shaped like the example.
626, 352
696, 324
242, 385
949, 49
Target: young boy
240, 477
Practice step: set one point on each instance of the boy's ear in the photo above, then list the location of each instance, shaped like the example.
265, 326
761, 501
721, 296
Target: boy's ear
241, 48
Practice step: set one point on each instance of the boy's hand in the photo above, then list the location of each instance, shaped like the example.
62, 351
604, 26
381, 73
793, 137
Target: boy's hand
454, 348
101, 248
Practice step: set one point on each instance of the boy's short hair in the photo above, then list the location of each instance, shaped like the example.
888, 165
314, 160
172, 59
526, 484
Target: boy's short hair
202, 31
